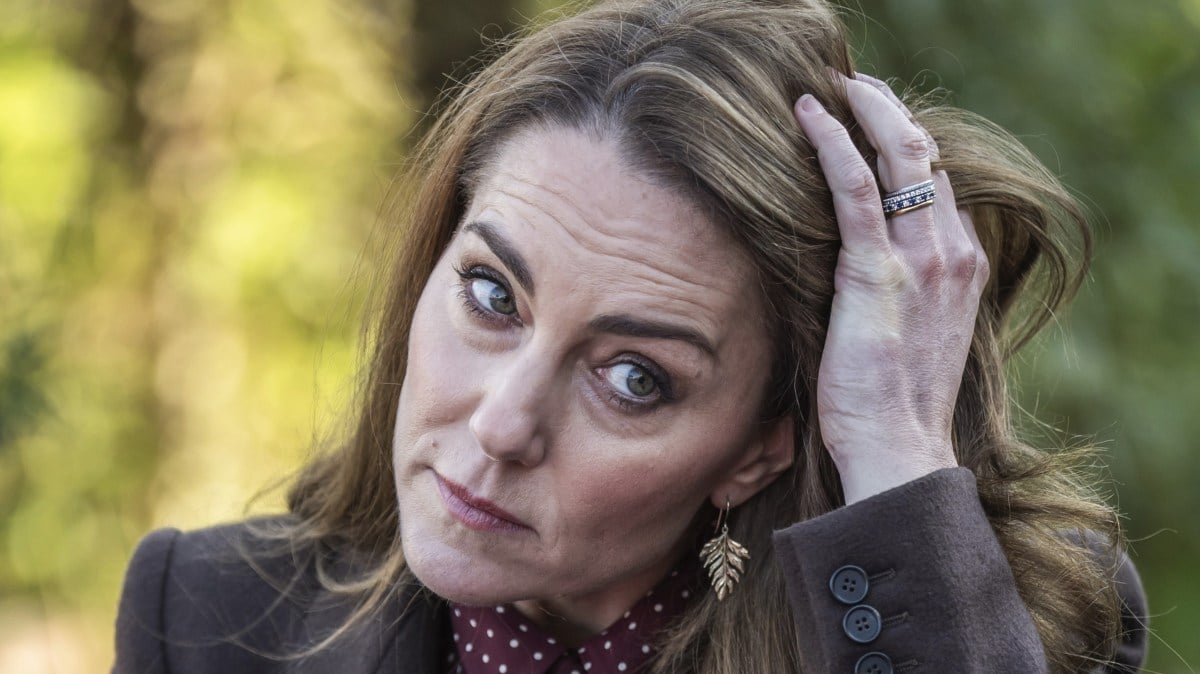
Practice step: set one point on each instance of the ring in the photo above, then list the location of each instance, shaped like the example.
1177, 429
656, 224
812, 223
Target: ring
909, 198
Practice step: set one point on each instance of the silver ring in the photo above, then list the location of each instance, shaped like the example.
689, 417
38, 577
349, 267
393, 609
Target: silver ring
909, 198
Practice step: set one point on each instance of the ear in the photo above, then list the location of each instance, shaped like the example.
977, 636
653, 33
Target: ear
771, 453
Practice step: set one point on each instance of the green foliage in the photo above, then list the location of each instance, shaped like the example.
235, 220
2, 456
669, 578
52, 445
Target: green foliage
185, 188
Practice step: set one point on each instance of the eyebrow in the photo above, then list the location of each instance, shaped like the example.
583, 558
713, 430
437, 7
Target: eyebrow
630, 326
616, 324
505, 250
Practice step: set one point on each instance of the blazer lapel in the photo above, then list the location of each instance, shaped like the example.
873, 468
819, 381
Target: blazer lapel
418, 640
408, 636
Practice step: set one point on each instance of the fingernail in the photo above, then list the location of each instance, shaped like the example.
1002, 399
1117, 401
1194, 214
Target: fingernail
808, 103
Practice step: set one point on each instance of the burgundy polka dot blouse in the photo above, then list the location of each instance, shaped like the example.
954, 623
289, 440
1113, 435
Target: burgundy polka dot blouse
499, 640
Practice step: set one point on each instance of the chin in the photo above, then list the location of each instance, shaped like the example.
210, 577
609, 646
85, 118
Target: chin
456, 577
458, 564
451, 562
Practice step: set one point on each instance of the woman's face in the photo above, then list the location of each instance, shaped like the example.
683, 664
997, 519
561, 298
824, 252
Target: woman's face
589, 357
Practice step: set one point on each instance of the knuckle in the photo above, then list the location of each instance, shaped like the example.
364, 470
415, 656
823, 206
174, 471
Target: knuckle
983, 269
931, 270
913, 146
833, 136
965, 264
860, 183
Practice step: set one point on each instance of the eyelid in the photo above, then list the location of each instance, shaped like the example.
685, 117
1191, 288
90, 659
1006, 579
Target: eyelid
474, 270
661, 379
468, 272
630, 405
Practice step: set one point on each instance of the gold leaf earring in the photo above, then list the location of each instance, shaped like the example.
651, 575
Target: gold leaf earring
724, 558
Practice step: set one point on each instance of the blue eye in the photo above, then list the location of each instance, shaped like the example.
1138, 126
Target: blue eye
487, 293
631, 380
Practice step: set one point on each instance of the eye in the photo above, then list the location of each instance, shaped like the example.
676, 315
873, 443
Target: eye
632, 380
492, 295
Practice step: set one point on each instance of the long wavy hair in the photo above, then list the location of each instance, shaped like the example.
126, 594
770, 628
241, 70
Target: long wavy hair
698, 95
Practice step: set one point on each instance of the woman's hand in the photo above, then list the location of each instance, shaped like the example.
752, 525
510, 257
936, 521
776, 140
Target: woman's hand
906, 292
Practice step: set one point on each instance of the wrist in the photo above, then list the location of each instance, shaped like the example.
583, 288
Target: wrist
868, 476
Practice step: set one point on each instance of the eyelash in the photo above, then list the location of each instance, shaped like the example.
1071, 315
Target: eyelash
466, 274
662, 381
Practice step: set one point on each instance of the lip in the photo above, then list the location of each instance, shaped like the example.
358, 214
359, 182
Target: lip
474, 512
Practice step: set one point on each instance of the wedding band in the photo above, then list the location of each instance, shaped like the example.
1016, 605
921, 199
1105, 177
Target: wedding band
909, 198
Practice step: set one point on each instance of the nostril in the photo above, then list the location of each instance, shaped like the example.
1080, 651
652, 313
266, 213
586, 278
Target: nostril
503, 433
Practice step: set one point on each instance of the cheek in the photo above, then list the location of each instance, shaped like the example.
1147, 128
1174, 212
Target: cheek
640, 489
437, 381
643, 493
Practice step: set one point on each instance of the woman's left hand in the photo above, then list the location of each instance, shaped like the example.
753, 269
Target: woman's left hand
906, 293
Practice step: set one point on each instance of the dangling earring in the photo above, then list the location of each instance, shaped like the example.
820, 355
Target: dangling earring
724, 557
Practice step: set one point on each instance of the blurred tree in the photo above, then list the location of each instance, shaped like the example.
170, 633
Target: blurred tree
184, 187
60, 278
451, 34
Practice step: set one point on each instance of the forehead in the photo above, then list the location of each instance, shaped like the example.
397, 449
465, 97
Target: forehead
570, 200
551, 181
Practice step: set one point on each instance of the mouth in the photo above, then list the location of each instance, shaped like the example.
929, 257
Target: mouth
473, 512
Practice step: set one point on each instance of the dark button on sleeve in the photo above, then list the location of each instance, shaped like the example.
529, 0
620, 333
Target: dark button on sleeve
874, 663
849, 584
862, 623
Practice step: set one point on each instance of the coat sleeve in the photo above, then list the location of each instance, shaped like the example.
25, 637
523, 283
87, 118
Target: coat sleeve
140, 644
915, 579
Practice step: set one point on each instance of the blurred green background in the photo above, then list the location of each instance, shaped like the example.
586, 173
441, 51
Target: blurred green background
186, 188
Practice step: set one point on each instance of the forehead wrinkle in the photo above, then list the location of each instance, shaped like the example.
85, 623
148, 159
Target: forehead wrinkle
578, 211
600, 206
701, 312
620, 242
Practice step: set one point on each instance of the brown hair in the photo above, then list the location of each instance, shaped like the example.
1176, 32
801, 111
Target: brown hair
698, 95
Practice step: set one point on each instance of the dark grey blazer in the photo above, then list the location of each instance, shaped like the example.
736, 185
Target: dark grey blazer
912, 580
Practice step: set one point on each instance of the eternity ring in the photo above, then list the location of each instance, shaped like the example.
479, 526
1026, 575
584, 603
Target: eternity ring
909, 198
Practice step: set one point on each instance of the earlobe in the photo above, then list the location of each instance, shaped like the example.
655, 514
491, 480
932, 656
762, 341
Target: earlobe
766, 459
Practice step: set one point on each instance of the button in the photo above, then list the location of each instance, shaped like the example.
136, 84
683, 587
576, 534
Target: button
849, 584
873, 663
862, 623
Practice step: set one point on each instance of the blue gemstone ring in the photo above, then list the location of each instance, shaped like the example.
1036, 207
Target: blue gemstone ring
909, 198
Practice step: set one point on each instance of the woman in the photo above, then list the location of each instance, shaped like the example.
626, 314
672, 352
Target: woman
692, 361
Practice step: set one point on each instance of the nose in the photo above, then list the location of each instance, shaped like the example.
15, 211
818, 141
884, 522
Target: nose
507, 423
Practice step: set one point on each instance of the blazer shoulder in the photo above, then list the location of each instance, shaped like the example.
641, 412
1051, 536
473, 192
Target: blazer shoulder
223, 598
1133, 641
139, 647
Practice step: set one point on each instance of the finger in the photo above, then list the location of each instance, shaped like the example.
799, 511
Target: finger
903, 161
970, 258
886, 90
855, 195
982, 271
883, 89
945, 194
903, 152
942, 218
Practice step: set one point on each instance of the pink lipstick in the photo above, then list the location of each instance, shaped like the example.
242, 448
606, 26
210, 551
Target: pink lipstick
476, 513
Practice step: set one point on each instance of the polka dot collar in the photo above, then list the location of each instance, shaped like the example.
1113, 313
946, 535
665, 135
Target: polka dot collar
499, 640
